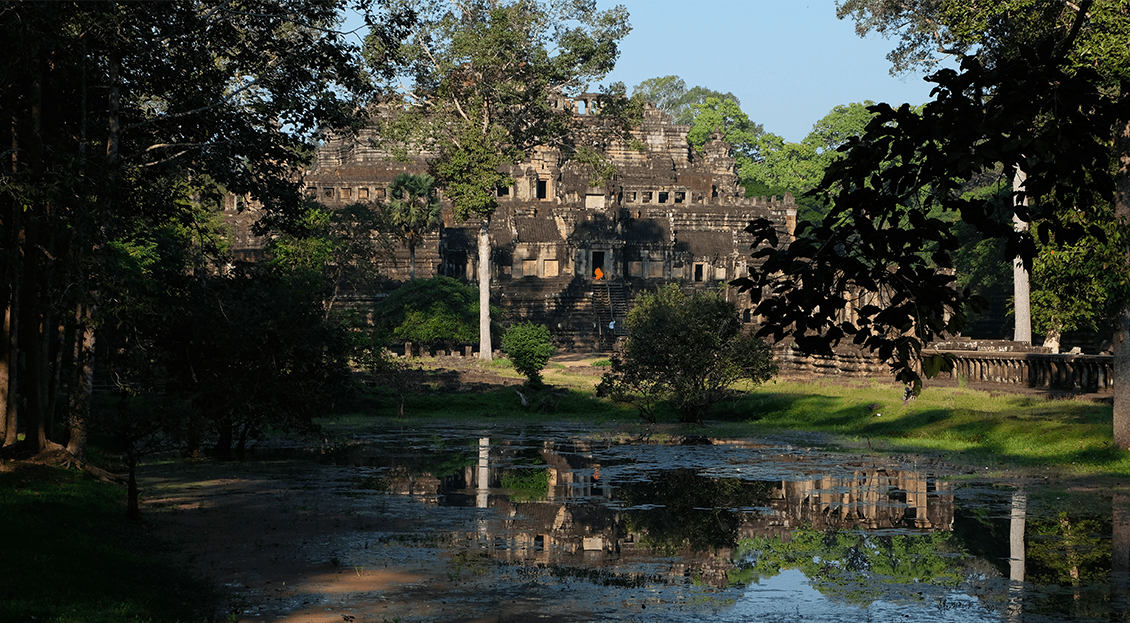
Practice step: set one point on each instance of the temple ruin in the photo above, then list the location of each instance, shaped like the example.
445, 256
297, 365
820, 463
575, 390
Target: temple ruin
568, 254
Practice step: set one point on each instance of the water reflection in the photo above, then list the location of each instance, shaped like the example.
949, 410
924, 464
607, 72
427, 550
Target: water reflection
751, 531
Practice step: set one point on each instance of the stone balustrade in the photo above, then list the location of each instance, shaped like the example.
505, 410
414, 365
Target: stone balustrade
1081, 373
1062, 372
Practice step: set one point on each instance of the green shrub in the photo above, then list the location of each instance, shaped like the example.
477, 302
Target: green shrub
529, 347
687, 351
434, 311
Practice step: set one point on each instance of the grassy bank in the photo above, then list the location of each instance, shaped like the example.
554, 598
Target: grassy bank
70, 556
966, 426
970, 427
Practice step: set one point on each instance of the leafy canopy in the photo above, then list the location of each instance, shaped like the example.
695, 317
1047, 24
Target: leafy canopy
529, 346
881, 246
688, 350
433, 311
486, 81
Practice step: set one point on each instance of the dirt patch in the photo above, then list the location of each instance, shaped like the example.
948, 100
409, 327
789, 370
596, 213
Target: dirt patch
260, 536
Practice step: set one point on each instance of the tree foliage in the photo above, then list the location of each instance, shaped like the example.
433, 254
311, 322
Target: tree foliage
688, 350
413, 210
725, 117
432, 311
671, 95
486, 81
125, 114
529, 347
1036, 112
343, 247
780, 166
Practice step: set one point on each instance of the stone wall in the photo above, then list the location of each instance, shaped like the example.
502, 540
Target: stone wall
668, 214
1014, 366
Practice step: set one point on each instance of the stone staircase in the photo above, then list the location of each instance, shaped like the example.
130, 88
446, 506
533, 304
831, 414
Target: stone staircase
610, 306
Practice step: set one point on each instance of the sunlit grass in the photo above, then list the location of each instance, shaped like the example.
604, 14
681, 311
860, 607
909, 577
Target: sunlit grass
960, 425
963, 425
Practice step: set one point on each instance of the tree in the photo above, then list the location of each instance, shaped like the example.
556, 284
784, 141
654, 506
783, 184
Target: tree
432, 311
725, 117
779, 166
486, 77
529, 346
997, 32
121, 110
1037, 111
1072, 286
413, 210
342, 247
670, 94
686, 350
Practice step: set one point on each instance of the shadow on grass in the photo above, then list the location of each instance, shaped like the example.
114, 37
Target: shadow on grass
547, 402
71, 555
968, 427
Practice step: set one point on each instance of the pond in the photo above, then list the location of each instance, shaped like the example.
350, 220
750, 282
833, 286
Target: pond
517, 524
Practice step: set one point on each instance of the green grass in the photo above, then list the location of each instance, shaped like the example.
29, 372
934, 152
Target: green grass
70, 556
961, 425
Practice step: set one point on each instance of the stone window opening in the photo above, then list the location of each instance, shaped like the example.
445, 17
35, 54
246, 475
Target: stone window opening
699, 269
543, 189
663, 196
714, 192
680, 196
503, 191
646, 196
311, 192
380, 193
346, 193
631, 196
328, 193
362, 193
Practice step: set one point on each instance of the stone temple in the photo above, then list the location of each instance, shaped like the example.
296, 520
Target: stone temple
567, 254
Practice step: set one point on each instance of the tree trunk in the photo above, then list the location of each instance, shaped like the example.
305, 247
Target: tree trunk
133, 510
12, 341
1121, 341
484, 291
32, 326
82, 390
1020, 289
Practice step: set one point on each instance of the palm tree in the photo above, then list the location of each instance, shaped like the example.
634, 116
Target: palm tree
413, 210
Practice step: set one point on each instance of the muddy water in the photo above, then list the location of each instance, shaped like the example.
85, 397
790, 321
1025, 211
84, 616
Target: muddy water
554, 524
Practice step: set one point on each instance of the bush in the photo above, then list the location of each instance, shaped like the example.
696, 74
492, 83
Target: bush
436, 311
688, 351
529, 347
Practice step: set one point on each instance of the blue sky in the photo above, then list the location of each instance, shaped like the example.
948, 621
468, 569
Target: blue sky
788, 61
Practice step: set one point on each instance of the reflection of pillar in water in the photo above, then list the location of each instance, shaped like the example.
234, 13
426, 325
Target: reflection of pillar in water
483, 480
551, 483
1120, 559
870, 506
1016, 556
826, 497
916, 498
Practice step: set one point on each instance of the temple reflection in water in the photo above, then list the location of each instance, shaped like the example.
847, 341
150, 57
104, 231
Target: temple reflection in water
558, 506
736, 518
